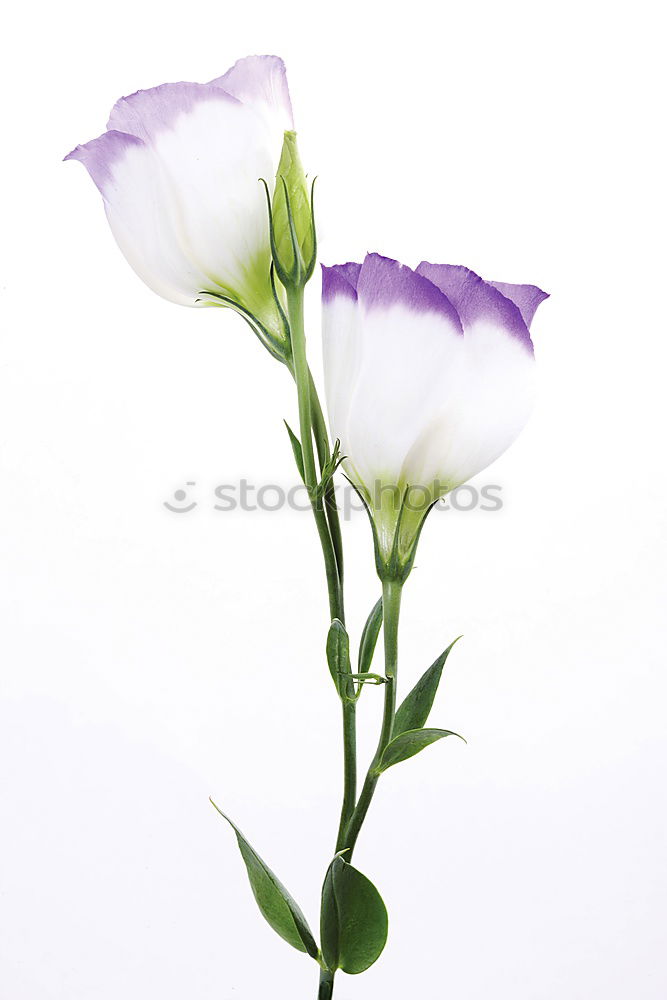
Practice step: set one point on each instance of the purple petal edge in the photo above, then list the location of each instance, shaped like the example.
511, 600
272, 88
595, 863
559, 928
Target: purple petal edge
99, 155
476, 299
148, 112
385, 282
525, 297
260, 79
340, 279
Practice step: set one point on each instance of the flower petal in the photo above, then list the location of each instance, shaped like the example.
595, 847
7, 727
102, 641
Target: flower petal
261, 83
140, 213
495, 394
185, 204
99, 156
384, 282
146, 113
476, 300
341, 279
341, 345
403, 349
480, 420
526, 297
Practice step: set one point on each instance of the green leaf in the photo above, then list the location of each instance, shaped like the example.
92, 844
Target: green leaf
414, 711
354, 919
369, 638
408, 744
338, 657
275, 903
296, 448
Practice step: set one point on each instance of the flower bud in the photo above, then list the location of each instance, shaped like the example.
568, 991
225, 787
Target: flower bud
294, 240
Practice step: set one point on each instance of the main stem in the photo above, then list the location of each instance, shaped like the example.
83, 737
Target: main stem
391, 603
325, 991
311, 421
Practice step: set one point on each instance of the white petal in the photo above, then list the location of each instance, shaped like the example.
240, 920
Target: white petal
212, 160
261, 83
341, 343
183, 199
140, 212
407, 339
482, 417
410, 361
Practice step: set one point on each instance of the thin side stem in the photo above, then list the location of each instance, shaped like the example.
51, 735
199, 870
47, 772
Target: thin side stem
304, 394
391, 601
331, 508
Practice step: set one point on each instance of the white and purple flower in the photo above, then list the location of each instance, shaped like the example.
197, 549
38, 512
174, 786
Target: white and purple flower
429, 378
178, 171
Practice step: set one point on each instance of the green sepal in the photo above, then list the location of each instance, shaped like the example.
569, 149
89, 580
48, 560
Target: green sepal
328, 471
354, 922
275, 903
297, 450
398, 566
410, 743
338, 658
414, 711
278, 348
369, 638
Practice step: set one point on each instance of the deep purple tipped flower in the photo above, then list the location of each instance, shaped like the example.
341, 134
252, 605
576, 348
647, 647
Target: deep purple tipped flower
429, 378
178, 171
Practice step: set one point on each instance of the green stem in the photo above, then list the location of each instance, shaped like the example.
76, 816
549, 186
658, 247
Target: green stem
304, 394
349, 707
349, 770
326, 985
319, 424
312, 423
311, 420
391, 602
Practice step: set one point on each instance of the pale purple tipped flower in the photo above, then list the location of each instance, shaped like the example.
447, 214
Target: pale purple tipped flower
429, 377
178, 171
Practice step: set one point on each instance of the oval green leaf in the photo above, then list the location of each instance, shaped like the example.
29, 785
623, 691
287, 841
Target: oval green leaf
354, 922
274, 901
415, 710
369, 638
338, 657
408, 744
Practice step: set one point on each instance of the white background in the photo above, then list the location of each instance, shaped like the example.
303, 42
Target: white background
150, 659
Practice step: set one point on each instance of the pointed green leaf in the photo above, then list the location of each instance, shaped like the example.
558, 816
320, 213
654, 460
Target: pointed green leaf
275, 903
408, 744
369, 638
414, 711
354, 920
338, 657
296, 448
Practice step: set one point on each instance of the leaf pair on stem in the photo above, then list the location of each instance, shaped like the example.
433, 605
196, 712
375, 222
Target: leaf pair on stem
353, 919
